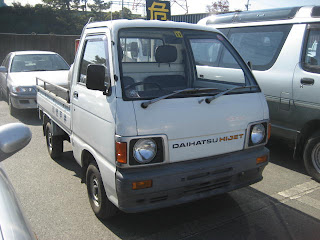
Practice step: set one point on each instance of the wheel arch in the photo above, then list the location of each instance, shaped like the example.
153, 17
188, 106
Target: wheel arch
309, 129
86, 158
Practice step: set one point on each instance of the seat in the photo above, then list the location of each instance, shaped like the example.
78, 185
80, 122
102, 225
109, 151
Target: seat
127, 81
166, 54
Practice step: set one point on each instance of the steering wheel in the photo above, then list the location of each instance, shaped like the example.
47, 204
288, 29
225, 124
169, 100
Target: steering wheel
143, 83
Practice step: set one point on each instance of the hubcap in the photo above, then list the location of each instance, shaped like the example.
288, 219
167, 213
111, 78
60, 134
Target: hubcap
50, 140
95, 191
315, 156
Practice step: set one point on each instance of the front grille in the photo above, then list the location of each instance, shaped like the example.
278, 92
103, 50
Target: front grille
207, 186
159, 199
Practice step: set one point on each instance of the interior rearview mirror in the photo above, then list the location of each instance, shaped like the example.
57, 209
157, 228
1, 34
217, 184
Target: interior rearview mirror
97, 79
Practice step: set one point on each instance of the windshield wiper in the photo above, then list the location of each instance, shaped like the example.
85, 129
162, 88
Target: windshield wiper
209, 100
193, 90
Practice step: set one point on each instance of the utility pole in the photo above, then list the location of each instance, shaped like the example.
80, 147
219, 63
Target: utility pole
182, 3
122, 16
247, 5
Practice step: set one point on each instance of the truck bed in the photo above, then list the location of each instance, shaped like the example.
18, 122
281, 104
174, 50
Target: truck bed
54, 101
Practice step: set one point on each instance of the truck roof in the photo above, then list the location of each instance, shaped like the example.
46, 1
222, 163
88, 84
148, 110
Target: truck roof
124, 23
277, 14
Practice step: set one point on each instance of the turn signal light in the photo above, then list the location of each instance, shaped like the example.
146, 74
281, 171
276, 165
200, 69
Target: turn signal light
269, 130
262, 159
142, 184
121, 152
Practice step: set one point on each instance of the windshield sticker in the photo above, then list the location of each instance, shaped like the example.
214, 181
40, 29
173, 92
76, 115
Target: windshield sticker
178, 34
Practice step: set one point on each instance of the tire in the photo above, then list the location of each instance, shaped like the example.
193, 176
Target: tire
54, 143
98, 199
12, 109
311, 156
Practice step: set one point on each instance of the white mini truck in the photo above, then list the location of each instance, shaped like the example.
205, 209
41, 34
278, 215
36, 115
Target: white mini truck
153, 120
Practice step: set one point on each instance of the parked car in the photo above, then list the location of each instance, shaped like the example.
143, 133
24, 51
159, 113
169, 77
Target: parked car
282, 46
13, 224
18, 76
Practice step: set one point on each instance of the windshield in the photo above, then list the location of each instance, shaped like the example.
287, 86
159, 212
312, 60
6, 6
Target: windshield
162, 61
38, 62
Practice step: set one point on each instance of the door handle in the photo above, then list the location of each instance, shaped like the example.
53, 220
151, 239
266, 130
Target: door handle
307, 81
75, 94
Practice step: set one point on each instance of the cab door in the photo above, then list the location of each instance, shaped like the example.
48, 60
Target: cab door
306, 80
93, 111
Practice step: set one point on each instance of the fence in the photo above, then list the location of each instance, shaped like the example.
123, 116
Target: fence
189, 18
62, 44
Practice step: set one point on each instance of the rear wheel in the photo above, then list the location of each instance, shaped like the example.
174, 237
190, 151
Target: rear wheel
54, 143
98, 199
311, 156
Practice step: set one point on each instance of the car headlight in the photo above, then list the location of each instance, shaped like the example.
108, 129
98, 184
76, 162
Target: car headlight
144, 150
258, 133
23, 90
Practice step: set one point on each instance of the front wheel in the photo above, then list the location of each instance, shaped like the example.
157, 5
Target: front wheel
54, 143
98, 199
12, 109
311, 156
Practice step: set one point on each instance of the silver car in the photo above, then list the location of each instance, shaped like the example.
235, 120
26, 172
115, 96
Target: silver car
18, 76
13, 224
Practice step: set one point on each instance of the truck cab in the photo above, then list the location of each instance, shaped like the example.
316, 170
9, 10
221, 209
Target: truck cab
154, 121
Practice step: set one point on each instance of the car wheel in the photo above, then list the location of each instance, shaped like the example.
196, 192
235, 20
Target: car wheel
98, 199
12, 109
54, 143
311, 156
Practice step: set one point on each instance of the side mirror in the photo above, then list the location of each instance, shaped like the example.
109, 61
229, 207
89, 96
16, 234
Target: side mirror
13, 137
97, 79
3, 69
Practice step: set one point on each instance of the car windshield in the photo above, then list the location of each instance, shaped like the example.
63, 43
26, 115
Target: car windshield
155, 63
38, 62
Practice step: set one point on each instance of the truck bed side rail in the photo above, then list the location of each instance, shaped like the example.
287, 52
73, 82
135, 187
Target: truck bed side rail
58, 91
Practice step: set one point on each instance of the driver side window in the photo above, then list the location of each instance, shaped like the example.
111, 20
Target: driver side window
95, 52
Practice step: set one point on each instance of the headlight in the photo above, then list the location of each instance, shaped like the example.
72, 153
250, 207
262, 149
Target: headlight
144, 150
257, 134
23, 90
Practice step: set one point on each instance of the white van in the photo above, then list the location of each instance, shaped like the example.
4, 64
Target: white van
282, 47
162, 129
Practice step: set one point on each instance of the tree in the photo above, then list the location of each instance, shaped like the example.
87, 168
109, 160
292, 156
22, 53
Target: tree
59, 4
99, 6
218, 6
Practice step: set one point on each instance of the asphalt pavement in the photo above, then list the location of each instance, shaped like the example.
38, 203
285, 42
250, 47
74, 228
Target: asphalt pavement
284, 205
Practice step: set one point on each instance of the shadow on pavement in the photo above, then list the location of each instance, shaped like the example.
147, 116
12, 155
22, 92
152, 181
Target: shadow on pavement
236, 215
28, 117
68, 162
284, 156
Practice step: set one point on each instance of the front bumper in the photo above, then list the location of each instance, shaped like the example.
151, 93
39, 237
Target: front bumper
24, 101
187, 181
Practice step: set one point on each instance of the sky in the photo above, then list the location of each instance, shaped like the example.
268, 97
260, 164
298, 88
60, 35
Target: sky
199, 6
